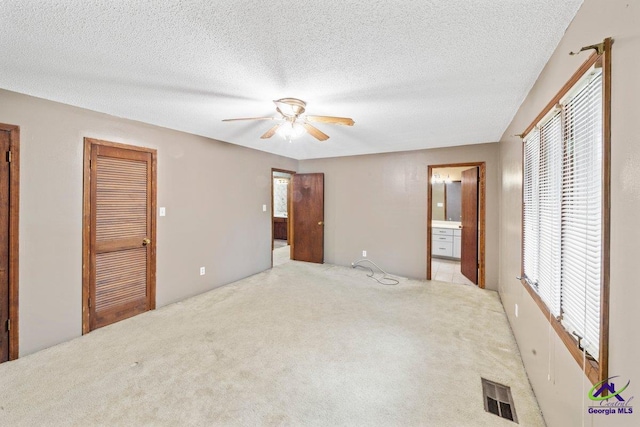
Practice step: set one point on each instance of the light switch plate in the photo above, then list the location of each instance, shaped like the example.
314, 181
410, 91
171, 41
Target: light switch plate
264, 208
162, 211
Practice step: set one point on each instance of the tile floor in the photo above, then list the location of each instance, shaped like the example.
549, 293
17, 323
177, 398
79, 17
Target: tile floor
281, 254
277, 243
446, 270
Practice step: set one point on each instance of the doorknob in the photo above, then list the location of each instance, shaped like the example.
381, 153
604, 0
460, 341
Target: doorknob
145, 241
320, 222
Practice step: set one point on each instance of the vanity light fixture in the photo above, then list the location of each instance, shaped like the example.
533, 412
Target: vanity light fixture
437, 179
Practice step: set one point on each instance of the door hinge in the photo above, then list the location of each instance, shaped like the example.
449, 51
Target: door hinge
8, 324
8, 156
89, 302
89, 164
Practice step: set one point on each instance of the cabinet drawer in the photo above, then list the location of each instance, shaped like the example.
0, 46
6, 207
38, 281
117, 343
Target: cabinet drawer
442, 231
442, 249
439, 238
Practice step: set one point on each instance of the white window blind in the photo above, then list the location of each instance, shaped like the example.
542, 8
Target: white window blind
531, 209
582, 213
562, 210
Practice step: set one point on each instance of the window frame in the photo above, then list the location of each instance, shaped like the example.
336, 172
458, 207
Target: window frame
596, 371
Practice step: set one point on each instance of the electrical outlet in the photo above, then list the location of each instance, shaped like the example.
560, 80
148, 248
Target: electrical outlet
202, 271
364, 254
516, 310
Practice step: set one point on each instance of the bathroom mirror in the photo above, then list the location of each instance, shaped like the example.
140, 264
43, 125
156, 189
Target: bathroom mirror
446, 202
280, 189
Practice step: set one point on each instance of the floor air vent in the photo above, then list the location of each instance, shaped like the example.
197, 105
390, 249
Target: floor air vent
498, 400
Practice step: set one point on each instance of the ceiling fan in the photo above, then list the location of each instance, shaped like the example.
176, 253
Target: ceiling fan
293, 123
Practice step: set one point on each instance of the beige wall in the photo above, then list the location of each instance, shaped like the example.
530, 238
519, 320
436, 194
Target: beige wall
378, 203
559, 384
213, 193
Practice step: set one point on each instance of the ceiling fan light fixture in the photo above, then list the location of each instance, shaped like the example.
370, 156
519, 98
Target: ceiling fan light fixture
293, 123
291, 130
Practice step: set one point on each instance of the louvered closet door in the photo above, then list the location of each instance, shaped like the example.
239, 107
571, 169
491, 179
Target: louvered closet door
122, 251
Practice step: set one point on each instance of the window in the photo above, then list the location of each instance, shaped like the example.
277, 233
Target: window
565, 214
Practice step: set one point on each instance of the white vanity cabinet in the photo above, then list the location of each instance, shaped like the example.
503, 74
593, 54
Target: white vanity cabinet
445, 242
457, 236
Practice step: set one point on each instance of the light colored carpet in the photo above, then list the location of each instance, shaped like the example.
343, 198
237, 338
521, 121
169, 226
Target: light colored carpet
300, 344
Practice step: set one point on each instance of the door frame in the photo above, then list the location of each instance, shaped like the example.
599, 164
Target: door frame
86, 224
14, 215
481, 215
289, 222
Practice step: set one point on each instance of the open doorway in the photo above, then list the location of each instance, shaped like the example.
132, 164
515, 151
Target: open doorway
281, 187
456, 223
297, 217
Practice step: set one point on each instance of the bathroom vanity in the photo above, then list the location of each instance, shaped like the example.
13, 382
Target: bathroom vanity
446, 239
280, 228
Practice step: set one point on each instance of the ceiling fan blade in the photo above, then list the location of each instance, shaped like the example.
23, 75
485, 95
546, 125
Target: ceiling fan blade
315, 132
270, 132
249, 118
345, 121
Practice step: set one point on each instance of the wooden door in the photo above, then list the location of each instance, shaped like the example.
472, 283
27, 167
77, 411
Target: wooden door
9, 213
308, 217
469, 239
4, 249
121, 240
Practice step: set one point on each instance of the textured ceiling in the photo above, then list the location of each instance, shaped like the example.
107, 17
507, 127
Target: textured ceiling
412, 74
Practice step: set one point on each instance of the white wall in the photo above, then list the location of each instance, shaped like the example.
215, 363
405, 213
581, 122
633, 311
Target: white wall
559, 384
